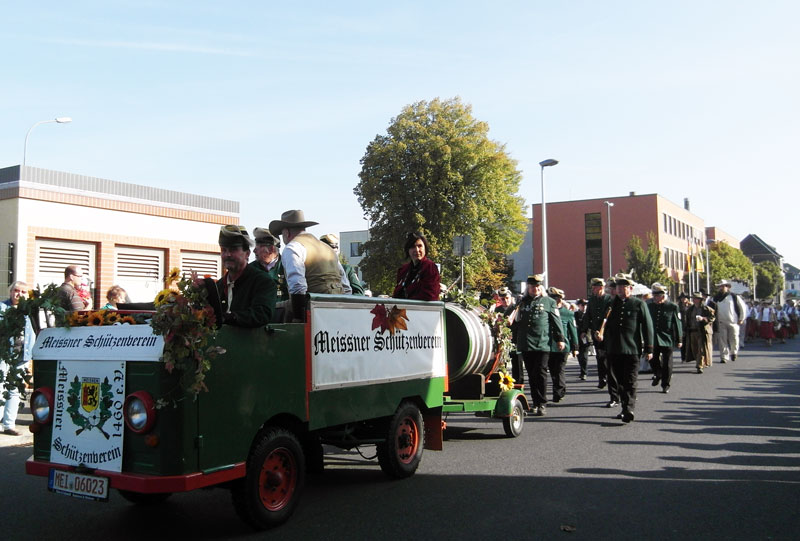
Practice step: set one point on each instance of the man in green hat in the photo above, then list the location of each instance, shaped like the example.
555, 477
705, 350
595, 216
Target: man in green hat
536, 324
697, 328
668, 335
558, 357
268, 259
629, 333
597, 312
246, 295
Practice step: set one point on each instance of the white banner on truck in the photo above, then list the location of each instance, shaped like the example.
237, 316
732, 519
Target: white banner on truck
101, 343
88, 424
362, 343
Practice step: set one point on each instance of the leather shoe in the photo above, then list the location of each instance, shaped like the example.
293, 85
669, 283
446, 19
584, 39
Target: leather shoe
11, 432
665, 390
656, 381
699, 370
602, 384
583, 377
540, 411
627, 416
612, 403
618, 416
733, 357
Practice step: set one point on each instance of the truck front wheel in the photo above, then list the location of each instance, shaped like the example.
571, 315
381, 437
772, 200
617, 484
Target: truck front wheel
269, 493
401, 453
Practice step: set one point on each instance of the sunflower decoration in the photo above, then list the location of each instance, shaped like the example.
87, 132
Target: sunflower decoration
76, 319
112, 318
163, 297
173, 276
506, 381
95, 319
127, 319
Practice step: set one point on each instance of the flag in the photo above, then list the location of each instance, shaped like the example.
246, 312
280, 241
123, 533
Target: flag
698, 259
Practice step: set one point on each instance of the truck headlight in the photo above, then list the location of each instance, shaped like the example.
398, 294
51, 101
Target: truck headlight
42, 405
140, 412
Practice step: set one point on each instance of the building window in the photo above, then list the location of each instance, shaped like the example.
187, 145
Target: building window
594, 247
356, 249
666, 223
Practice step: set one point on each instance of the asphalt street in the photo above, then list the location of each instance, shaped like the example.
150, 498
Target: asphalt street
717, 458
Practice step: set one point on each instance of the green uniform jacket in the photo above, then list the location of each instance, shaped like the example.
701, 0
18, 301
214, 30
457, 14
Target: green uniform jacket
355, 283
570, 332
596, 310
667, 327
254, 295
536, 322
629, 330
277, 275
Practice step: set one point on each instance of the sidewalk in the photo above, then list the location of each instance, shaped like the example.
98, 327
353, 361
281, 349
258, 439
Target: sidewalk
24, 420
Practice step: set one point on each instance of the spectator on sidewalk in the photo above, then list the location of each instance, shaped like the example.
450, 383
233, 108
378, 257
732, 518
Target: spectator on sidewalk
24, 346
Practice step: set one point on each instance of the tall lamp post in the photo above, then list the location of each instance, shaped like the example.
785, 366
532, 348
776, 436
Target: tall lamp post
59, 120
609, 204
543, 164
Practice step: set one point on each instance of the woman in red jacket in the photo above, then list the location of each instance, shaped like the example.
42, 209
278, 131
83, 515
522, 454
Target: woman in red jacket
419, 278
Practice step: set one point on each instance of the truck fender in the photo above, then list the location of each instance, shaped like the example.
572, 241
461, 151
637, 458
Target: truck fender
505, 402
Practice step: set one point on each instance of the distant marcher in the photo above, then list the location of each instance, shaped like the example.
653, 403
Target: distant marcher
24, 345
667, 333
332, 240
730, 314
697, 328
115, 296
558, 354
629, 334
419, 278
583, 342
68, 296
768, 319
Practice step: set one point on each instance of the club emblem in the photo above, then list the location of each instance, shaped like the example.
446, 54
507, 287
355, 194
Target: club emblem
90, 402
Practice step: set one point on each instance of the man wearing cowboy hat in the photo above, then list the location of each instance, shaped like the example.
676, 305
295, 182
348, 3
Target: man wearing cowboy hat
668, 334
731, 313
332, 240
268, 259
311, 266
628, 334
696, 327
246, 295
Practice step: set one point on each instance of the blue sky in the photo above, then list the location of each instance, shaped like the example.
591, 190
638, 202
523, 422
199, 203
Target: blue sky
273, 104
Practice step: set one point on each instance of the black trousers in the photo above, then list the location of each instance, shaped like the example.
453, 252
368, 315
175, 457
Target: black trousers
605, 373
536, 365
661, 364
626, 369
556, 363
517, 371
582, 359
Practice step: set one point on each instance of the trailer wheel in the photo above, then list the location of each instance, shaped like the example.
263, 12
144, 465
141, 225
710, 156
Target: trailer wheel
269, 493
141, 498
401, 453
514, 423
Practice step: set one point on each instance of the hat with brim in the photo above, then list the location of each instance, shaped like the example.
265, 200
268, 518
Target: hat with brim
331, 239
290, 219
610, 282
555, 292
580, 301
503, 292
598, 282
622, 279
697, 295
723, 283
535, 279
265, 238
234, 235
658, 288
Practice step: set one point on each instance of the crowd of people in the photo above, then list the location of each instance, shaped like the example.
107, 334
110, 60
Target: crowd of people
631, 334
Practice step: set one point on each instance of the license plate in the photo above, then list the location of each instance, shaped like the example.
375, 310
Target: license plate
79, 485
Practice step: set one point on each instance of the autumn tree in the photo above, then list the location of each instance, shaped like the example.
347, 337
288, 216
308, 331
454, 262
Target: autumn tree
645, 264
436, 171
769, 279
727, 263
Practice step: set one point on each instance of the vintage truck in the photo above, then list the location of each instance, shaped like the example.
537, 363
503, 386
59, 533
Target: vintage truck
359, 371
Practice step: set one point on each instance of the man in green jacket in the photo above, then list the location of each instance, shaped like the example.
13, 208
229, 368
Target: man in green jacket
628, 333
536, 323
558, 357
668, 334
268, 259
596, 313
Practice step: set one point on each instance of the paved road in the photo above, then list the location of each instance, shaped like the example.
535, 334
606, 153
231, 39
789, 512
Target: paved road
717, 458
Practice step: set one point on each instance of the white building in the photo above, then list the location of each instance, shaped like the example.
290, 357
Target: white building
116, 232
351, 246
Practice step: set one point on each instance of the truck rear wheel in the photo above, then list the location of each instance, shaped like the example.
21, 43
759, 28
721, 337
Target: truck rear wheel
514, 423
401, 453
269, 493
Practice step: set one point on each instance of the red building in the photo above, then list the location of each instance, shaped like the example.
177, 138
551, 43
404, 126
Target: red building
578, 238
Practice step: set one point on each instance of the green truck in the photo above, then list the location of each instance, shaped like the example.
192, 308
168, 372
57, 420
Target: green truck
359, 371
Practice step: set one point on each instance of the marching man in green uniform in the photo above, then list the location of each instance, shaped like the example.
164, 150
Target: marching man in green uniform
668, 333
536, 323
628, 333
593, 322
558, 357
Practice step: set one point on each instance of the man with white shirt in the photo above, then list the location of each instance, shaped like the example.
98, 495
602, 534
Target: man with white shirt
311, 266
731, 312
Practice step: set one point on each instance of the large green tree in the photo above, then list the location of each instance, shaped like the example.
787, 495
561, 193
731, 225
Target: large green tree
727, 263
769, 279
436, 171
645, 264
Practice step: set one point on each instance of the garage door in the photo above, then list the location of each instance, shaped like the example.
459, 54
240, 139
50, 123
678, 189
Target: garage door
205, 264
140, 272
52, 256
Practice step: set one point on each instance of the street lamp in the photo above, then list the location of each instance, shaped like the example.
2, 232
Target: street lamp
609, 204
60, 120
545, 163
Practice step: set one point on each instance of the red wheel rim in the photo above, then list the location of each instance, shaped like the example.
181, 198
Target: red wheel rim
407, 440
278, 479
